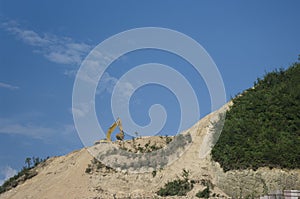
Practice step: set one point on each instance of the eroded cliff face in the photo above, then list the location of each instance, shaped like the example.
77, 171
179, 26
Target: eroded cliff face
256, 183
67, 177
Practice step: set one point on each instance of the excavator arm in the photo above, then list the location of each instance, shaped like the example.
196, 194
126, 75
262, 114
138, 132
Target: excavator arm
119, 136
110, 130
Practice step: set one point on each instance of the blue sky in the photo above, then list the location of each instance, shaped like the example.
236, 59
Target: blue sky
43, 43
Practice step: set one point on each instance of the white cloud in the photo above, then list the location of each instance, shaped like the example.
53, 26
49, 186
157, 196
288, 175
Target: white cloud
82, 109
70, 73
78, 111
62, 50
7, 172
106, 83
34, 131
126, 89
8, 86
15, 127
68, 129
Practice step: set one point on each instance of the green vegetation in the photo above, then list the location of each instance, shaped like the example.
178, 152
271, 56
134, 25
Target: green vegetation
262, 128
168, 139
154, 172
97, 166
204, 194
26, 173
178, 187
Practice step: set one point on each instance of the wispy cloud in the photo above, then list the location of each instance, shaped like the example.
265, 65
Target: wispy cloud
106, 84
70, 73
82, 109
8, 86
126, 89
35, 131
7, 172
62, 50
30, 130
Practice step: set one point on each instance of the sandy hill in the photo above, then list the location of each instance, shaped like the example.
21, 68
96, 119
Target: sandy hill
78, 176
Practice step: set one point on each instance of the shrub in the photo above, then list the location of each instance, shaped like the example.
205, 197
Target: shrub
179, 187
203, 194
154, 173
88, 170
168, 140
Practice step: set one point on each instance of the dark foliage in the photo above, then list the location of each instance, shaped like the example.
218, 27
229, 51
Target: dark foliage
26, 173
178, 187
204, 194
97, 166
262, 128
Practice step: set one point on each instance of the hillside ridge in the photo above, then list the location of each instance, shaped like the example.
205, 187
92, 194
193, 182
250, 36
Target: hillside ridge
66, 176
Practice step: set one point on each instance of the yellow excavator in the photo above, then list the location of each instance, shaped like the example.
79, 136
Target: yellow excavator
120, 135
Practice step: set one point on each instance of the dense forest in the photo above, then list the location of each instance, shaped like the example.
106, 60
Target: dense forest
262, 128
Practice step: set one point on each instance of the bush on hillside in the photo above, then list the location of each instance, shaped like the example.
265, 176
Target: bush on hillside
26, 173
203, 194
178, 187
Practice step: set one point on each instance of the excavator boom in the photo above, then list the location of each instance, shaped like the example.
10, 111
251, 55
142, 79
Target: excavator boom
119, 136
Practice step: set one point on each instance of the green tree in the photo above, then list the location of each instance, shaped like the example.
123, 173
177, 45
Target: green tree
28, 162
36, 161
